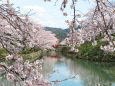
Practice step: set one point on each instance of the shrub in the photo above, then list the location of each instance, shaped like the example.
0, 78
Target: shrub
88, 51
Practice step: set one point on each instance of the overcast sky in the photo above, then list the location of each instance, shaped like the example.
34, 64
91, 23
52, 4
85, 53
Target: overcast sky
49, 14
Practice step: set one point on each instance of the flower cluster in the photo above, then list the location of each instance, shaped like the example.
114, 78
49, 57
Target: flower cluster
18, 29
98, 21
24, 73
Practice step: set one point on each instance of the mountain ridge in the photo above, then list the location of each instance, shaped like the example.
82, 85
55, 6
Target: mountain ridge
60, 33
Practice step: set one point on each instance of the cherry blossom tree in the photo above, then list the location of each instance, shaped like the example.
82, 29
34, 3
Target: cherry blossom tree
19, 30
41, 38
99, 20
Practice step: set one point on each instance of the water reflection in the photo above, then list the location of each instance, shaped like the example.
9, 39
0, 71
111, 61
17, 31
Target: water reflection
88, 73
58, 67
3, 80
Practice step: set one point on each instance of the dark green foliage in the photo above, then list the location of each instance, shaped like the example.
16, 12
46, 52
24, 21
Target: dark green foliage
60, 33
27, 50
3, 52
88, 51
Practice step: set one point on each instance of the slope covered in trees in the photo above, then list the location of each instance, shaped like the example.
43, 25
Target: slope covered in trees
60, 33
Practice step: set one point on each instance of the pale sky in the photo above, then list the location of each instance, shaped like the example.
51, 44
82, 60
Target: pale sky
47, 14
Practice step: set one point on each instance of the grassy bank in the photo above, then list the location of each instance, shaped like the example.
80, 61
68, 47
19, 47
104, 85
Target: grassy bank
27, 53
89, 52
34, 55
3, 52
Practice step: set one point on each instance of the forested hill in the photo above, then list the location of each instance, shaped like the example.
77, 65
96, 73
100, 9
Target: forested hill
60, 33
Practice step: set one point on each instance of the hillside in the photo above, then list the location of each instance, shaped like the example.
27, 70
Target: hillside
60, 33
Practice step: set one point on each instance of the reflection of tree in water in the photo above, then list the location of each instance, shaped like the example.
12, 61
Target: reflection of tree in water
92, 73
48, 65
6, 83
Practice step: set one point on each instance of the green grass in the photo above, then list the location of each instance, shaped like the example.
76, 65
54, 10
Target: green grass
32, 56
27, 50
27, 53
3, 52
88, 51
